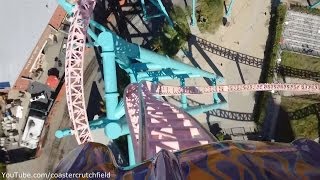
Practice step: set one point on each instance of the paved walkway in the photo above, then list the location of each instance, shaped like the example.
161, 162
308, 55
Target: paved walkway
247, 37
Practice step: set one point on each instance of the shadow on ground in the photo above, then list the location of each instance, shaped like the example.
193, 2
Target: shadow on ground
129, 18
240, 58
94, 103
284, 131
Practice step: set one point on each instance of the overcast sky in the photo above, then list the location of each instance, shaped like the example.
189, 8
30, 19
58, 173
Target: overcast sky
22, 23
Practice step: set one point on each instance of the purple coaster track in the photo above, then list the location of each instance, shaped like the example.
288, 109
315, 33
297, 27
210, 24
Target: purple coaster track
157, 125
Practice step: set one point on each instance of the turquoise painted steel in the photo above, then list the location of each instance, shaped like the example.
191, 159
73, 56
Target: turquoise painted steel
113, 128
117, 128
132, 160
158, 4
141, 75
132, 78
144, 10
127, 50
216, 98
164, 11
205, 108
99, 26
147, 56
184, 100
110, 80
60, 133
145, 66
194, 19
120, 111
117, 50
114, 109
315, 5
228, 13
153, 16
161, 78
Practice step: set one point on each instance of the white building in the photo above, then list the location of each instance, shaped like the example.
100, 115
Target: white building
32, 132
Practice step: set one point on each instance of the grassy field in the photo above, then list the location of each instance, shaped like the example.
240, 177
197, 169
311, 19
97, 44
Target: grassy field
305, 127
300, 61
291, 104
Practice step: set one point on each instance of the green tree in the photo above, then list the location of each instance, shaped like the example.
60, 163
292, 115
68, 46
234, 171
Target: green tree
174, 38
209, 15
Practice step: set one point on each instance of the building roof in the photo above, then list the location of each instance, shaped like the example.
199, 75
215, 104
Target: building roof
57, 17
23, 83
53, 82
32, 132
4, 85
36, 89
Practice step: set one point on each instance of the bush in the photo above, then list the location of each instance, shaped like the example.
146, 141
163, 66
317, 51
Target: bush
172, 39
304, 9
220, 136
275, 32
306, 127
209, 15
280, 17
